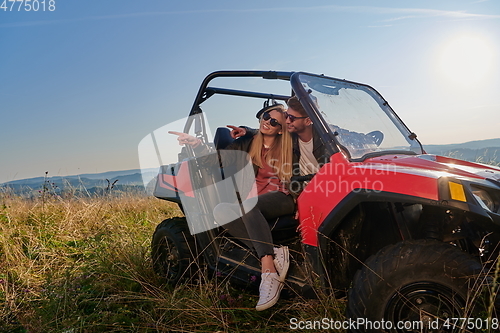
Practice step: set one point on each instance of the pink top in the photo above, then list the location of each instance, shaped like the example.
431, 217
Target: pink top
267, 179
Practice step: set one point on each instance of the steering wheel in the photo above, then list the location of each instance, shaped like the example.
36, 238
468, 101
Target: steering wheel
376, 136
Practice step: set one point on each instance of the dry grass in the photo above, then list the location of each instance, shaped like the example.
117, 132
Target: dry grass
83, 265
74, 265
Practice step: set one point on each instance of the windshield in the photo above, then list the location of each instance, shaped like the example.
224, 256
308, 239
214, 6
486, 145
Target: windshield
358, 117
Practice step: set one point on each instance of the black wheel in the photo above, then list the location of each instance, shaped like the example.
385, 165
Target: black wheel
173, 250
417, 284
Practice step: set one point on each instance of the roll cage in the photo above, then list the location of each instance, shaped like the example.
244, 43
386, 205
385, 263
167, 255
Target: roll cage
331, 142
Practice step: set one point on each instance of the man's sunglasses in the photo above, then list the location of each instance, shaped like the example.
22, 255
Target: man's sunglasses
292, 118
273, 122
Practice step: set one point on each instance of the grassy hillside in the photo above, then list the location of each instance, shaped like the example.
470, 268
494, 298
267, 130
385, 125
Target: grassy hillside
76, 185
482, 151
483, 155
82, 264
478, 144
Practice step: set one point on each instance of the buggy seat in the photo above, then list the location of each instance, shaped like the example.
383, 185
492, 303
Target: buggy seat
222, 138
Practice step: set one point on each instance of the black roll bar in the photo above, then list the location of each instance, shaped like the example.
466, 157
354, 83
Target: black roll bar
205, 92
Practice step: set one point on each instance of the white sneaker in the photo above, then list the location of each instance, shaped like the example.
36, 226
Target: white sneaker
269, 291
282, 261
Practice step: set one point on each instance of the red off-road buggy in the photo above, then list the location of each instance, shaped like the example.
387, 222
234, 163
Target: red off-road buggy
410, 236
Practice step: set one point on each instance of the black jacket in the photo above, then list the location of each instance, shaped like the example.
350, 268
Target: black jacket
319, 150
242, 144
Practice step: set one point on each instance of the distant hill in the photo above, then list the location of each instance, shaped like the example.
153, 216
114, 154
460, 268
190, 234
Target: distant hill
484, 155
88, 176
479, 144
482, 151
86, 184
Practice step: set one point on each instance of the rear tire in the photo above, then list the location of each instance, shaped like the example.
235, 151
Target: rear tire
173, 250
416, 281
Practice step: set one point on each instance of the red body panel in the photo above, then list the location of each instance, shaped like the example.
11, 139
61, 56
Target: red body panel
181, 182
403, 174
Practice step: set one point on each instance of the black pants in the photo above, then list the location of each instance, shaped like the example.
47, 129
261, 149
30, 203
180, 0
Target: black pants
252, 228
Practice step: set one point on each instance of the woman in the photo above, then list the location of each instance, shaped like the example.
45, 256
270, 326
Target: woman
271, 153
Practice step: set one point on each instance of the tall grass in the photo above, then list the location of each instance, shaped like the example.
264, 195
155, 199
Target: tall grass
83, 265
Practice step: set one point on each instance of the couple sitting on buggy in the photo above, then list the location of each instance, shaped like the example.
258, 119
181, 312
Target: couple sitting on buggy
284, 145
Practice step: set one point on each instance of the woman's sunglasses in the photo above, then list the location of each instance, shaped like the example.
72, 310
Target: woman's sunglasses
273, 122
292, 118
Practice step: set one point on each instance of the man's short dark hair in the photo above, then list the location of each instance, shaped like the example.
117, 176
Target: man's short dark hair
294, 103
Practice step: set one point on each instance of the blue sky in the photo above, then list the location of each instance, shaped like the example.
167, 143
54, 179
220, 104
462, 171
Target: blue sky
80, 86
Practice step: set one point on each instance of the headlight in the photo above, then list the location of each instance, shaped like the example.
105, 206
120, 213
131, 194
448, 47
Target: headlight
485, 200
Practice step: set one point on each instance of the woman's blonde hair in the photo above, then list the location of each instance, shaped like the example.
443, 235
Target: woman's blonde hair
279, 156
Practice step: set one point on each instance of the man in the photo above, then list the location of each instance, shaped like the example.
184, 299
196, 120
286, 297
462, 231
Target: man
308, 149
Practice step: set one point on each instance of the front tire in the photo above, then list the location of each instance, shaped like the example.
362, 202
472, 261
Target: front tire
173, 250
416, 281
